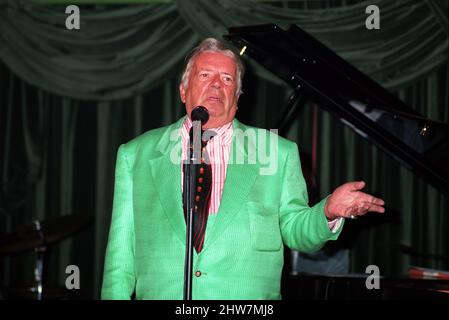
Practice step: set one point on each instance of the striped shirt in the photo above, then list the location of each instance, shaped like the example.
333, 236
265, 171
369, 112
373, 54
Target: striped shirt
218, 150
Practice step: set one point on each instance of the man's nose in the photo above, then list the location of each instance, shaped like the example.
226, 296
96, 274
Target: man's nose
216, 82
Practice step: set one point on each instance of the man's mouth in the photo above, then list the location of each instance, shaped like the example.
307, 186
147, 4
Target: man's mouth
213, 98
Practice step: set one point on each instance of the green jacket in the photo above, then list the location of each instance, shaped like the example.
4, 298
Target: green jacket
242, 257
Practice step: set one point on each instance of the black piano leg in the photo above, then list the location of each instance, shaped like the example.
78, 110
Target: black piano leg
295, 103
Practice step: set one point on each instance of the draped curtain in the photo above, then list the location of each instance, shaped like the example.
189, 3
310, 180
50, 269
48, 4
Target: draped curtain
69, 98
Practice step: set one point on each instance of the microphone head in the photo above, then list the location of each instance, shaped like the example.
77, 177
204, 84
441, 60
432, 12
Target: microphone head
200, 114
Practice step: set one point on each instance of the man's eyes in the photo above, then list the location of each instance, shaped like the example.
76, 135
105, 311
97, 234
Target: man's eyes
225, 78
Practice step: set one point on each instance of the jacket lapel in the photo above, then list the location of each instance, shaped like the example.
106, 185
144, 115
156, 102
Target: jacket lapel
166, 174
240, 179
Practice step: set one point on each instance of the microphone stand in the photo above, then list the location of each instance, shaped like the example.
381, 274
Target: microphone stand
190, 171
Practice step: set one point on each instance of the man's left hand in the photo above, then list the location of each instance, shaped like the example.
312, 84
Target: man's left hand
348, 201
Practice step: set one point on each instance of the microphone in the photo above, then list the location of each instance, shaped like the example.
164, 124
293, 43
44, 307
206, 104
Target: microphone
199, 116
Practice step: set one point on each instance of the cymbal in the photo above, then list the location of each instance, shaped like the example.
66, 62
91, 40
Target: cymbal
42, 233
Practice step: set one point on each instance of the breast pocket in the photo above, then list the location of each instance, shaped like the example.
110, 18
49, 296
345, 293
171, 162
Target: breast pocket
264, 227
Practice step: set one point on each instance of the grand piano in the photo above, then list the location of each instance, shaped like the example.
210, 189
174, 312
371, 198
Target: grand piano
315, 72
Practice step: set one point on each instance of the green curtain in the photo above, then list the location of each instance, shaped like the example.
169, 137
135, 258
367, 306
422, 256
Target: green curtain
69, 98
117, 53
118, 50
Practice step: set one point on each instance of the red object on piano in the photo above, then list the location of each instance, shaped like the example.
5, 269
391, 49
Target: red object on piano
427, 273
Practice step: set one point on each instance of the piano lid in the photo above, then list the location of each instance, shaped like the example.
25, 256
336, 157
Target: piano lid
420, 144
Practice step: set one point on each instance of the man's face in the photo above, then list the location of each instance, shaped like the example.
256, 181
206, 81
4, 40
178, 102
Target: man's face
212, 84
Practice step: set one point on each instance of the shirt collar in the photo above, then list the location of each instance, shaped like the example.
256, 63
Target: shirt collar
224, 132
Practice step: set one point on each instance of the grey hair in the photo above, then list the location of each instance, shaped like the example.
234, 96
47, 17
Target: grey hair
213, 45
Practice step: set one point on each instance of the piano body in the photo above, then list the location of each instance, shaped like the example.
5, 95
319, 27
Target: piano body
317, 73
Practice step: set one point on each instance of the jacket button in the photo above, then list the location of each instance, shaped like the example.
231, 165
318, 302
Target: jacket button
198, 273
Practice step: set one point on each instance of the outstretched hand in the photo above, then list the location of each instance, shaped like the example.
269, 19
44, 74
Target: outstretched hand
348, 201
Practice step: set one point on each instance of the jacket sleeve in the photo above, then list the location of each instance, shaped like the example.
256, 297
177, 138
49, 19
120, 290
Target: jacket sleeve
303, 228
119, 275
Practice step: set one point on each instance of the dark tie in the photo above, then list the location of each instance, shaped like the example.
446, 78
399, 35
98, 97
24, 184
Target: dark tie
202, 199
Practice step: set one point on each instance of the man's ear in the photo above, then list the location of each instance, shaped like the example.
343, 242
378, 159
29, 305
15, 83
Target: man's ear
182, 93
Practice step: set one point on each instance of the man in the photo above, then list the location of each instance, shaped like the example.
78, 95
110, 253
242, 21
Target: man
250, 215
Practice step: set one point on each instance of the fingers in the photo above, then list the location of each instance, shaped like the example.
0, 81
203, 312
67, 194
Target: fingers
361, 209
360, 185
348, 202
374, 208
355, 185
368, 207
377, 201
351, 211
372, 199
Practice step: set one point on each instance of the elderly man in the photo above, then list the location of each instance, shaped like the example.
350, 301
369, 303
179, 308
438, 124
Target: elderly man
248, 217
